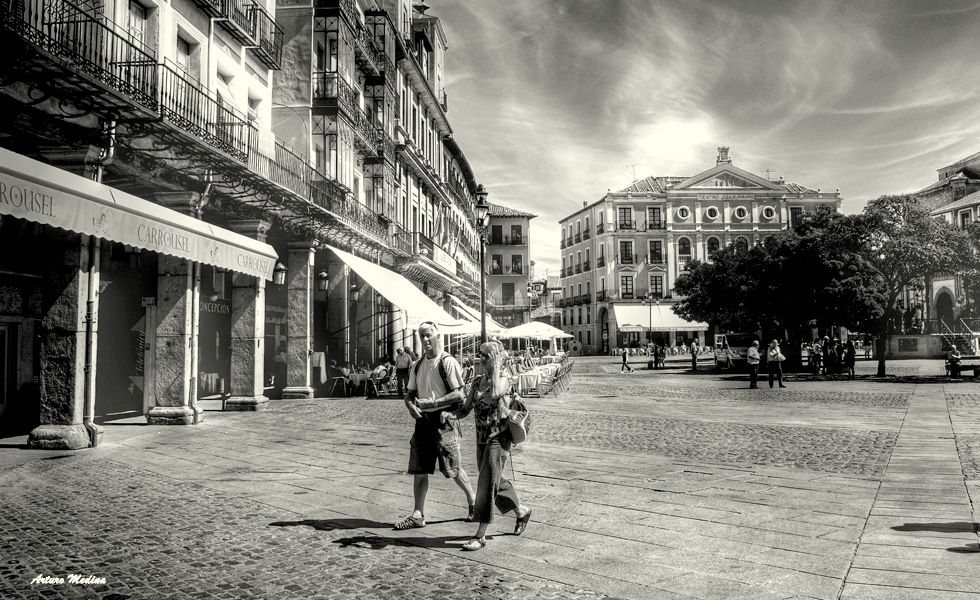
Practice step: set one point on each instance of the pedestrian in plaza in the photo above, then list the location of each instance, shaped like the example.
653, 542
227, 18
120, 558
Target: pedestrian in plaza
867, 345
489, 400
626, 364
753, 358
403, 362
775, 358
694, 355
435, 384
850, 357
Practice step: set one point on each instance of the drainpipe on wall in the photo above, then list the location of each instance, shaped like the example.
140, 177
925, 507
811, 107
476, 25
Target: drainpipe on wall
196, 316
92, 299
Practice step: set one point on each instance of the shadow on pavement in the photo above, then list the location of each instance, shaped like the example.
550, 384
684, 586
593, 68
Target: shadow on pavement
954, 526
966, 548
367, 541
333, 524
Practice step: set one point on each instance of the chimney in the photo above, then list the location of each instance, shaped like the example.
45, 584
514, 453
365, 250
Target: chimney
723, 156
585, 203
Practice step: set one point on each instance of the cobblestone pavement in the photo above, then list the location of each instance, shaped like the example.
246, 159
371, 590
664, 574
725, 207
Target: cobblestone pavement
653, 485
152, 537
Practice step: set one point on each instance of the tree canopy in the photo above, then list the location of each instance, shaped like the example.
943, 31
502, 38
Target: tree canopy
831, 269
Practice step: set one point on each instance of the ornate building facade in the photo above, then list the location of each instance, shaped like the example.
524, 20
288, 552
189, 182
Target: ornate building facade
215, 195
622, 254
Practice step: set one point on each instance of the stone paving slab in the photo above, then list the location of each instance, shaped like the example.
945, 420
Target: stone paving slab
657, 485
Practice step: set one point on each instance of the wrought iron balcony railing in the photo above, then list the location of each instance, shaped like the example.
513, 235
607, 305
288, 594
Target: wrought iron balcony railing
587, 266
268, 38
600, 296
653, 225
600, 228
626, 225
627, 259
657, 259
562, 245
578, 237
578, 268
585, 234
600, 262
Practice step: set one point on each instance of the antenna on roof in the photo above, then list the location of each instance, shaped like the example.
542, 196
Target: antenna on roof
768, 171
633, 166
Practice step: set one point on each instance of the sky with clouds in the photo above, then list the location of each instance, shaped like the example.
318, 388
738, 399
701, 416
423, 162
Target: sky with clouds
554, 101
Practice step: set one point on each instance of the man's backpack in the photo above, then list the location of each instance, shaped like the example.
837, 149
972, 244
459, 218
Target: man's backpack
442, 371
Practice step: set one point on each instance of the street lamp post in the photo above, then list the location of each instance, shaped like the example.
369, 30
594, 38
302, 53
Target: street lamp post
482, 209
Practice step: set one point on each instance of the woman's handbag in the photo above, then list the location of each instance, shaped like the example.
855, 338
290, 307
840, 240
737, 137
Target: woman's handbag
518, 420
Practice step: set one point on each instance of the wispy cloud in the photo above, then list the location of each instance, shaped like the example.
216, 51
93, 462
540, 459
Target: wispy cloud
554, 101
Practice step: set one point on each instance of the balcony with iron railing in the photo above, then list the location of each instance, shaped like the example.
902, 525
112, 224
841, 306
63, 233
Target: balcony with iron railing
600, 262
330, 90
507, 240
562, 244
654, 225
600, 296
568, 241
657, 259
235, 16
624, 225
578, 237
585, 234
160, 99
587, 265
268, 38
627, 259
578, 268
367, 56
585, 299
600, 228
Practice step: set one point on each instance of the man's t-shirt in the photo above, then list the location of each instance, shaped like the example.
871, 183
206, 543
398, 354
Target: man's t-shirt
429, 382
403, 361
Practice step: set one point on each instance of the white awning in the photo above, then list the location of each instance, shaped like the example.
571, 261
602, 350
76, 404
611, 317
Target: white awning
640, 317
472, 314
399, 291
41, 193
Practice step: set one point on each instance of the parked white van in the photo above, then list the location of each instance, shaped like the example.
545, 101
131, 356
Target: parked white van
731, 349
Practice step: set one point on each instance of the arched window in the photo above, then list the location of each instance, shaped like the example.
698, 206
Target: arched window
684, 247
713, 244
741, 245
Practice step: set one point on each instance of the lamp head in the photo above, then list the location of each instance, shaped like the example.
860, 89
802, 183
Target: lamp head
279, 274
482, 208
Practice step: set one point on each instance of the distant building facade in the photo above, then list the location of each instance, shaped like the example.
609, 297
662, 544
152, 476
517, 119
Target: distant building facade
510, 295
622, 254
954, 198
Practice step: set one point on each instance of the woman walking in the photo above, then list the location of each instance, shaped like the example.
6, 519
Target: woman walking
489, 399
775, 358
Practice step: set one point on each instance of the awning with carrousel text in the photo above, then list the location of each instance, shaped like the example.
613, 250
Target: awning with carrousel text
41, 193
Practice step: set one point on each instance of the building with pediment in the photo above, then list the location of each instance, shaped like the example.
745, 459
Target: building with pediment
622, 254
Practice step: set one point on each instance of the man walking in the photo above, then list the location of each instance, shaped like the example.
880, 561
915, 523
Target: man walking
695, 349
435, 384
402, 363
753, 360
626, 361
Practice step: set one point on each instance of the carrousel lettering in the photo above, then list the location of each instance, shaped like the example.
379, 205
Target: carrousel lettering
27, 199
250, 263
155, 236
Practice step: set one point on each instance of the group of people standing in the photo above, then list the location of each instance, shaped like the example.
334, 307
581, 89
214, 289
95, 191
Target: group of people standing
831, 357
437, 399
774, 362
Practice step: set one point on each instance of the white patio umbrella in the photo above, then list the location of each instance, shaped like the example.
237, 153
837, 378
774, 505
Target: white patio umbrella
535, 330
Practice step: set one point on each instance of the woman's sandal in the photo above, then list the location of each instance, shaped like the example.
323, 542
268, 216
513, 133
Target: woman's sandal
521, 523
475, 544
410, 522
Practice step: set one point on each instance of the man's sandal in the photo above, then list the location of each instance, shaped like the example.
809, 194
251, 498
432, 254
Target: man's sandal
411, 522
475, 544
521, 523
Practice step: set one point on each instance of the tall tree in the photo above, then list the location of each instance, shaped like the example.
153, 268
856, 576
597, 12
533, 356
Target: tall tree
903, 245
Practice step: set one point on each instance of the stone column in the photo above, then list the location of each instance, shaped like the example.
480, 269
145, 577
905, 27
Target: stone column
62, 363
247, 384
299, 320
174, 390
337, 311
